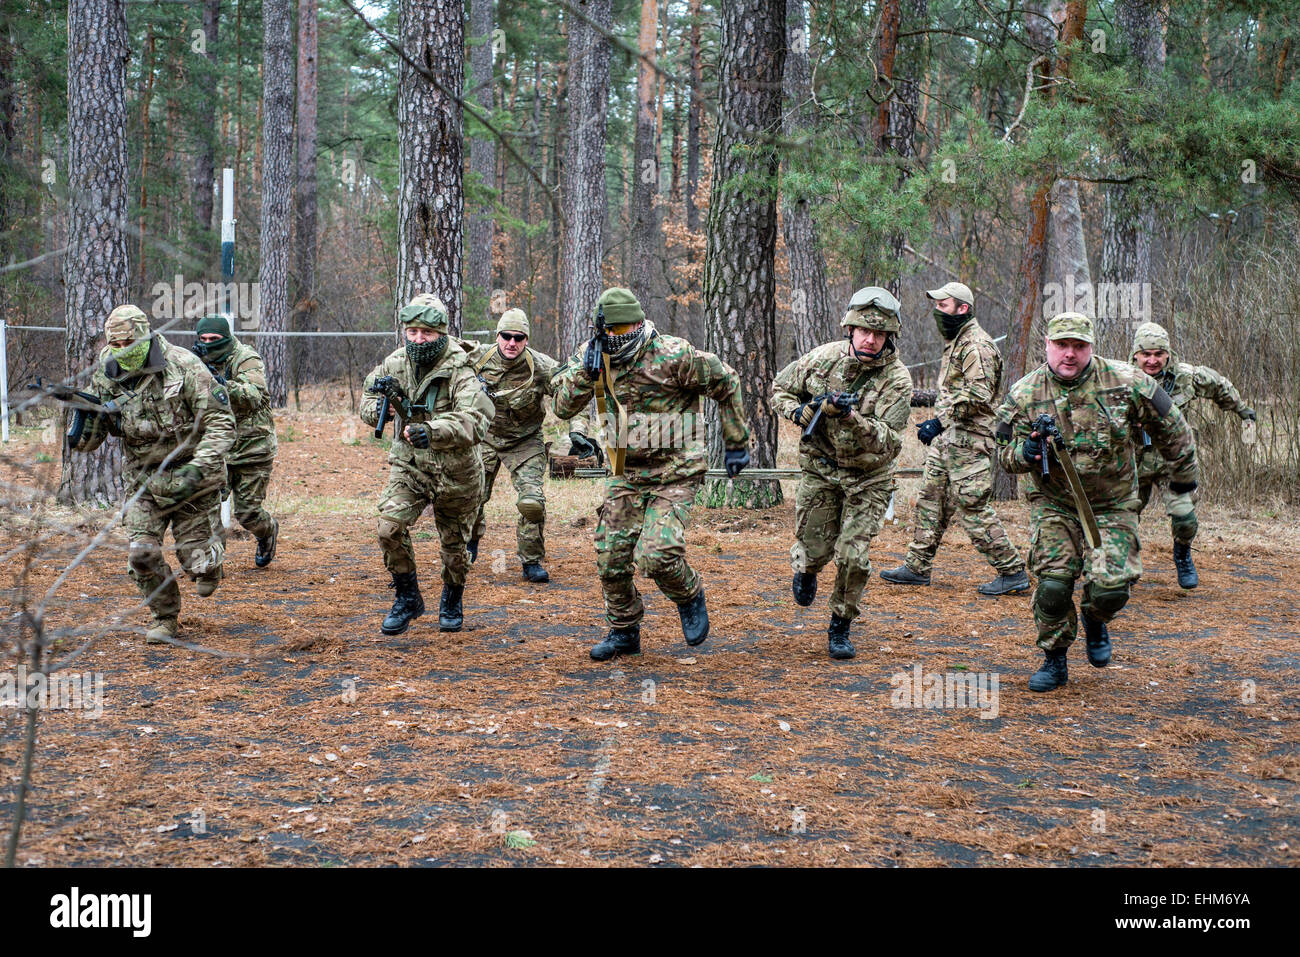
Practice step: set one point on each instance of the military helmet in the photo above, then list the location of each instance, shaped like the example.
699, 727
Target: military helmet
873, 308
425, 310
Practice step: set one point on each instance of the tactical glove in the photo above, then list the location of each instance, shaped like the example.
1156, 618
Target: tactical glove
833, 407
1032, 450
1248, 414
418, 435
929, 430
580, 446
387, 385
189, 478
803, 414
735, 460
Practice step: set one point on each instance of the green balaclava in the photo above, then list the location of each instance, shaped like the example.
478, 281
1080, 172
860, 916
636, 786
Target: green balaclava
128, 322
132, 357
217, 351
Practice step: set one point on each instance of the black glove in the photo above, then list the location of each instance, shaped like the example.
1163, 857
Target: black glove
929, 430
190, 478
1248, 414
418, 435
1182, 488
735, 460
387, 385
803, 414
1032, 450
845, 402
580, 446
591, 364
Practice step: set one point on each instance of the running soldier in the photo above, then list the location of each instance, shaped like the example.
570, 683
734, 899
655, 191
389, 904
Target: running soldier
851, 399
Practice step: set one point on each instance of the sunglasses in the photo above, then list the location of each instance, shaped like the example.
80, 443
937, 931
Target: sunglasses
512, 336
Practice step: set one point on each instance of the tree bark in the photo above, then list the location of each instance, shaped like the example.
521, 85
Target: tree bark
202, 181
482, 157
740, 259
277, 191
304, 297
588, 101
645, 168
810, 312
431, 205
95, 272
693, 122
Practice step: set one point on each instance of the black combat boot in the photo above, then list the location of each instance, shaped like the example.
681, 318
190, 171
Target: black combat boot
450, 614
1187, 577
472, 547
1097, 637
408, 605
266, 546
805, 588
1052, 674
619, 641
695, 619
1005, 584
838, 635
535, 573
902, 575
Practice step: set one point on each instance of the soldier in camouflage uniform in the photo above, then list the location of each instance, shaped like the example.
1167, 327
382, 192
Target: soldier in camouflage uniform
240, 370
1184, 382
441, 414
1099, 406
176, 427
848, 462
518, 380
958, 462
658, 380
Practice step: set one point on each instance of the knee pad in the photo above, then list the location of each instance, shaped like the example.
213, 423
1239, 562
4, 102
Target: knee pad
1053, 597
1107, 602
143, 556
530, 508
1183, 526
390, 531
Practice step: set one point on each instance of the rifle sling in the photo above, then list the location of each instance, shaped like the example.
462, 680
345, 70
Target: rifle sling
617, 448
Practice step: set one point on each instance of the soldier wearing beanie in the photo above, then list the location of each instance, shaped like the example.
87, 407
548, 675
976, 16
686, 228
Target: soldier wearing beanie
176, 428
848, 460
519, 379
241, 371
1099, 406
1184, 382
650, 384
441, 416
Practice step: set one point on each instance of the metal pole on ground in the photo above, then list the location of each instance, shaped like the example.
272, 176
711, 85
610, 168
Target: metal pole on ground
227, 283
4, 381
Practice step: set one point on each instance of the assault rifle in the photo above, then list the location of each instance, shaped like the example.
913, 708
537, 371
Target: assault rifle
82, 404
844, 401
593, 361
390, 394
1046, 428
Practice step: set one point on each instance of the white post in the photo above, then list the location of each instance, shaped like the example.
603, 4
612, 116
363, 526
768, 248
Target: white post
889, 512
4, 380
227, 236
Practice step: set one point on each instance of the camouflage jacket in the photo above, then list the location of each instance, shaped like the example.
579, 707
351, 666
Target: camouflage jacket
869, 438
660, 387
970, 381
171, 403
250, 400
1099, 414
1185, 382
518, 393
461, 412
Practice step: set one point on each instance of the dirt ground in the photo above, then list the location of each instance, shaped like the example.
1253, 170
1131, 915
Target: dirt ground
309, 738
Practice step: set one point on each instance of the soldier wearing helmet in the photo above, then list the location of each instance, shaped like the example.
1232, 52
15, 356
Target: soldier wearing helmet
852, 399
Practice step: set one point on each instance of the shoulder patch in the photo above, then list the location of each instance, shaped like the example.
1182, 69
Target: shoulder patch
1160, 399
220, 395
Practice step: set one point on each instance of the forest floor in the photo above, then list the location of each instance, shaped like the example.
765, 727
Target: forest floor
299, 734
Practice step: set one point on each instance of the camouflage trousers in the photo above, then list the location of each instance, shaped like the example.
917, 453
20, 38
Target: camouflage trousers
837, 512
959, 480
1182, 527
1059, 551
455, 505
248, 482
644, 527
200, 544
527, 464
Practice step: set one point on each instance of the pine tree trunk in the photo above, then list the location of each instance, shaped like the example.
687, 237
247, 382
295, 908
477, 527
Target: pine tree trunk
201, 180
277, 191
588, 103
304, 297
693, 121
740, 261
645, 169
482, 157
95, 272
810, 311
431, 205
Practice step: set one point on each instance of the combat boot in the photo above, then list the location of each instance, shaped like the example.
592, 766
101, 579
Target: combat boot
838, 635
472, 547
1187, 577
804, 588
450, 614
1097, 640
163, 628
695, 619
1006, 584
619, 641
1052, 674
407, 606
206, 585
902, 575
535, 573
266, 546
